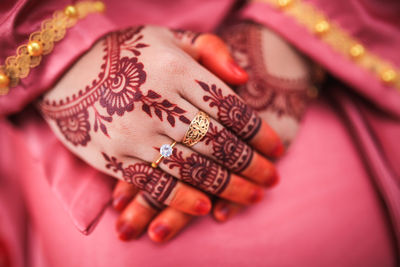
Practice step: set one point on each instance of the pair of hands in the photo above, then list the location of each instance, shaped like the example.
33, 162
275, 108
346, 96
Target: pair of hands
138, 89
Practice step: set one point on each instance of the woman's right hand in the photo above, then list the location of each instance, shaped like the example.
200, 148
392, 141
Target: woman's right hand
138, 89
139, 212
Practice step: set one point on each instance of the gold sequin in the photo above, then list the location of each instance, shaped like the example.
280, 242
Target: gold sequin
4, 83
388, 76
321, 27
284, 3
70, 11
35, 48
357, 50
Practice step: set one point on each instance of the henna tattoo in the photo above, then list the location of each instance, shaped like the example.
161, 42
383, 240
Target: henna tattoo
264, 91
117, 90
156, 205
228, 150
232, 112
155, 182
199, 171
185, 35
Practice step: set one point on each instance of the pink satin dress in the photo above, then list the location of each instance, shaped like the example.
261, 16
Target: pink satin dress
338, 202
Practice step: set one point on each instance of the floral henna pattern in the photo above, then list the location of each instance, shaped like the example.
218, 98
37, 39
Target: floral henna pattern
117, 90
118, 94
75, 128
232, 112
199, 171
228, 150
264, 91
155, 182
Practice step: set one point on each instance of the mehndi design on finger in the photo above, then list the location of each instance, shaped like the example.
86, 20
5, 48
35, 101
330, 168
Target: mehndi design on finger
155, 182
155, 204
117, 90
228, 150
232, 112
199, 171
264, 91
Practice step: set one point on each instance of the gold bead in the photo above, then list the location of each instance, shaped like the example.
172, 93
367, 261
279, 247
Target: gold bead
284, 3
4, 83
71, 11
99, 6
321, 27
357, 50
35, 48
153, 165
388, 76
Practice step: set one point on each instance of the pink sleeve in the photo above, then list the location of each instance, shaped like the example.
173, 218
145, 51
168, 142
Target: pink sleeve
376, 25
25, 17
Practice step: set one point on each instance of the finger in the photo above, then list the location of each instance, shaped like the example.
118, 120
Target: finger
135, 218
206, 175
224, 210
212, 52
123, 193
226, 149
168, 224
221, 103
161, 186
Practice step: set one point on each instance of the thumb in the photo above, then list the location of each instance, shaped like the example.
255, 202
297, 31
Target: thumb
212, 52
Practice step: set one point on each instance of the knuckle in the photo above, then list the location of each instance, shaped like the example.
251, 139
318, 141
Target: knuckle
172, 63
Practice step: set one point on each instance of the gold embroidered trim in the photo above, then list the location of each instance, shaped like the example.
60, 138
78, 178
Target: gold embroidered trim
42, 42
338, 39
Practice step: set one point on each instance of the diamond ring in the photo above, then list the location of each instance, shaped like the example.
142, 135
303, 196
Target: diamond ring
165, 152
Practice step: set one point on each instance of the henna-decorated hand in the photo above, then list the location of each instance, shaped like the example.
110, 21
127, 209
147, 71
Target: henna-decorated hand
138, 89
281, 80
139, 211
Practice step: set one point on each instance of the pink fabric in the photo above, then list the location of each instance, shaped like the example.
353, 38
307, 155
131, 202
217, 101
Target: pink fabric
312, 218
12, 209
360, 80
42, 156
24, 17
325, 212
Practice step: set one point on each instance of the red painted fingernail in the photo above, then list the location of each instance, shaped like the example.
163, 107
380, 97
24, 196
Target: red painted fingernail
125, 231
161, 231
120, 201
224, 211
274, 180
202, 206
236, 69
256, 196
279, 150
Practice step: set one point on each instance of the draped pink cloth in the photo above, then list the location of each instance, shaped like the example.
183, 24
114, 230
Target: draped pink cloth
338, 203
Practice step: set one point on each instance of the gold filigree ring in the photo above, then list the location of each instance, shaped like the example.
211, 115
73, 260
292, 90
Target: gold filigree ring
165, 152
197, 129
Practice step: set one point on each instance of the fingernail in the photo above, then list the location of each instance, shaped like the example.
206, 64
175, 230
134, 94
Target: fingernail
271, 182
125, 231
161, 231
224, 212
202, 207
256, 195
236, 69
119, 202
279, 150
